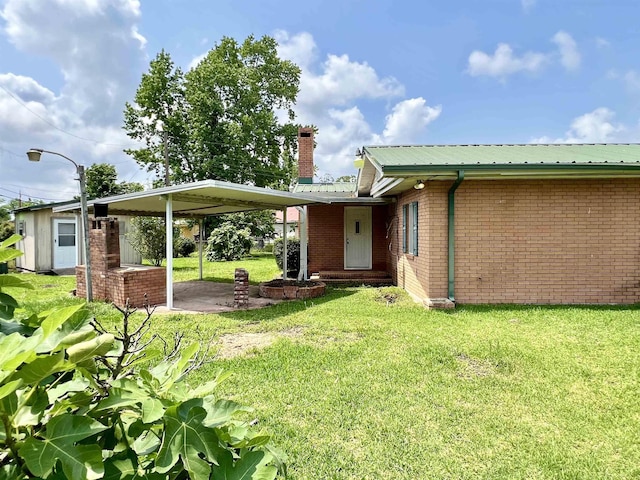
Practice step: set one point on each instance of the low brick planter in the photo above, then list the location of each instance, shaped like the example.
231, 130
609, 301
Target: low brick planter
291, 289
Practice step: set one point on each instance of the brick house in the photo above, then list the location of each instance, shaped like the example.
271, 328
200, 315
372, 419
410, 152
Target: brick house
540, 224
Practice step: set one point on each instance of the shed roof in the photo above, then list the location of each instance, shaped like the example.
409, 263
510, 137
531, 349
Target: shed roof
198, 199
43, 206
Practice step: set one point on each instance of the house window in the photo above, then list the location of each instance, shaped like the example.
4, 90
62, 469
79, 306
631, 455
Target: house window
410, 228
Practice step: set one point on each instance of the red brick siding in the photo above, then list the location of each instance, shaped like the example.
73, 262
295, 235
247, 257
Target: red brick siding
548, 241
517, 241
326, 237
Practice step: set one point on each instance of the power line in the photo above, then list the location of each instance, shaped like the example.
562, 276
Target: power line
20, 193
96, 142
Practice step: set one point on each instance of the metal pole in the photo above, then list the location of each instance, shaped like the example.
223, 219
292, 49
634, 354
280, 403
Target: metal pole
85, 231
302, 225
169, 251
284, 244
201, 234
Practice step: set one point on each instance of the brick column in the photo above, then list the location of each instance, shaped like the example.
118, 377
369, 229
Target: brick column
104, 241
241, 289
305, 155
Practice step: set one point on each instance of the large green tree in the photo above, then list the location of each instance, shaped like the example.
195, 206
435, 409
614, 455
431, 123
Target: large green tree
102, 181
222, 120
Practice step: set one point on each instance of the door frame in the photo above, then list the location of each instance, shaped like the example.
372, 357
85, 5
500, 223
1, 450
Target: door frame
369, 218
54, 238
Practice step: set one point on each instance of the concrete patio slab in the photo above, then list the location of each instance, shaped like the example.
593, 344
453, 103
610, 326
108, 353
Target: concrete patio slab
200, 296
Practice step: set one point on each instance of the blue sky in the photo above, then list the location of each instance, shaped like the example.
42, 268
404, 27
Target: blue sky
437, 72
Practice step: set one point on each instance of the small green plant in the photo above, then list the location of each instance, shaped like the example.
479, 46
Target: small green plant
80, 402
183, 247
293, 255
268, 247
228, 242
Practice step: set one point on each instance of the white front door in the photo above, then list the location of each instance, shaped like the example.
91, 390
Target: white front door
65, 250
357, 238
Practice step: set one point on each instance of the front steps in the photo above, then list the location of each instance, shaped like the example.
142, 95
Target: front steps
354, 277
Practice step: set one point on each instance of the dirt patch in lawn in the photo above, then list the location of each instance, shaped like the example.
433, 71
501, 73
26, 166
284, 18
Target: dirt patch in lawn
474, 367
237, 344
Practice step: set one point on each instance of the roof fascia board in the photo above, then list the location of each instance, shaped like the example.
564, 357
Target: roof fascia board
406, 170
179, 189
372, 160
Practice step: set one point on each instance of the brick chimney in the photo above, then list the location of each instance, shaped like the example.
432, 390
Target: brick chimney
305, 155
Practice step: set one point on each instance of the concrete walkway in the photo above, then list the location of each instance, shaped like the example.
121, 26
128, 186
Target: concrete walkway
199, 296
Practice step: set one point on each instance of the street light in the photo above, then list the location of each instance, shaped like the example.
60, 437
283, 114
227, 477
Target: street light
34, 156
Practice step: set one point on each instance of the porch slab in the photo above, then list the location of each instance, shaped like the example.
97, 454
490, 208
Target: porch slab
201, 296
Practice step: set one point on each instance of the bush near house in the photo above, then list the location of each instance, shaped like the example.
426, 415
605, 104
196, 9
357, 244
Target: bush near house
183, 247
293, 255
228, 242
80, 402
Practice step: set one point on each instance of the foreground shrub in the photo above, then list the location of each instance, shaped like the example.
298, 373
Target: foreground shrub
228, 242
79, 402
293, 255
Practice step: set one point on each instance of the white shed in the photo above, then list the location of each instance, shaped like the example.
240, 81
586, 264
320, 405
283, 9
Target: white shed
53, 241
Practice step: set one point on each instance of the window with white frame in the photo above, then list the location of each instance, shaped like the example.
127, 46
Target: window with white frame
410, 228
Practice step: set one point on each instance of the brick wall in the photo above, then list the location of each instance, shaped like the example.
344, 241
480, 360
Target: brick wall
326, 237
120, 284
111, 282
517, 241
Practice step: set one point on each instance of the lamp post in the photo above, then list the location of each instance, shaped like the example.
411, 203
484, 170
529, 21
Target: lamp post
34, 155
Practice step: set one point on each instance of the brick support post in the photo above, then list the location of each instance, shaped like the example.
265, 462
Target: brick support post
241, 288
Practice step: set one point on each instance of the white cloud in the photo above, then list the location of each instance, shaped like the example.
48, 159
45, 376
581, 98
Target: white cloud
98, 50
593, 127
503, 62
408, 119
568, 49
196, 60
527, 5
344, 81
301, 48
25, 105
602, 42
632, 80
330, 91
96, 44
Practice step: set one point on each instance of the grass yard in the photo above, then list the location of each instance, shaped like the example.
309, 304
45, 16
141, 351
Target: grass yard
364, 384
260, 265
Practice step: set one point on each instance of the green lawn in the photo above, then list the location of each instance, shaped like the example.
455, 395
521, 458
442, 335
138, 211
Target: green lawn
260, 265
356, 387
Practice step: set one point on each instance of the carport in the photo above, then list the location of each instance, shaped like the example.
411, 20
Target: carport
199, 200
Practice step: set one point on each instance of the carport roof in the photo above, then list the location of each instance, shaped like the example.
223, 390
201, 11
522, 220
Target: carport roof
198, 199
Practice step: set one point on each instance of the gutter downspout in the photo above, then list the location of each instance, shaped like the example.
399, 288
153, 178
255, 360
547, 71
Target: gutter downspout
451, 236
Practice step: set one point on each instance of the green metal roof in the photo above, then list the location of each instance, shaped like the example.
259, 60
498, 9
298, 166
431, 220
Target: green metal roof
405, 158
327, 188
